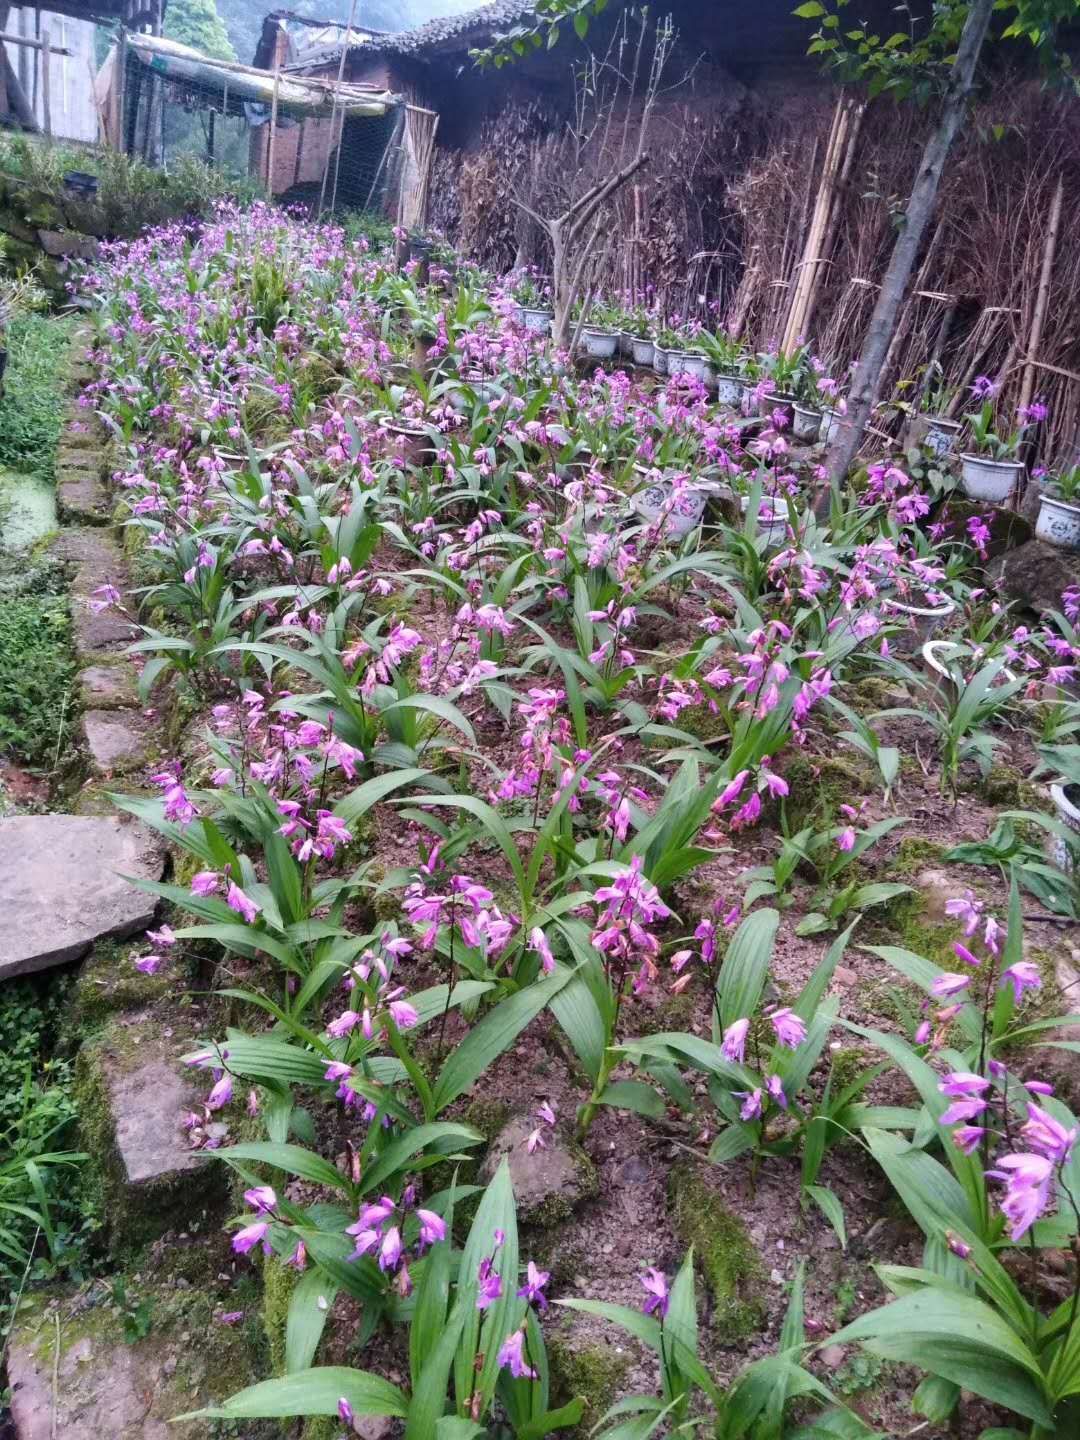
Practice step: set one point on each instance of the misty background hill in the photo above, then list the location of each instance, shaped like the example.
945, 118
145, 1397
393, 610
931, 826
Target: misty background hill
243, 18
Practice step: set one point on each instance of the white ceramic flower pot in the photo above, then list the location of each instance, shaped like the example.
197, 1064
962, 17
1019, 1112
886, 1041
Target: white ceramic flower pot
1058, 522
676, 361
831, 420
659, 360
773, 525
769, 404
1069, 816
599, 344
696, 365
941, 435
729, 391
806, 426
538, 320
680, 517
644, 351
991, 480
626, 344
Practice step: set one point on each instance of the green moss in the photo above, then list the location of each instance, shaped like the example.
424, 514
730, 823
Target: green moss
279, 1282
594, 1372
321, 1427
874, 692
819, 785
699, 720
905, 919
728, 1259
848, 1063
914, 854
487, 1116
1001, 786
108, 981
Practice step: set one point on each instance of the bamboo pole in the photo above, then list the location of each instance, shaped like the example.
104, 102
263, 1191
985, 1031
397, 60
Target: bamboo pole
1043, 297
811, 250
832, 222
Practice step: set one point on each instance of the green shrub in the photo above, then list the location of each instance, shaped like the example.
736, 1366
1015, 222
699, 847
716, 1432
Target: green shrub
36, 675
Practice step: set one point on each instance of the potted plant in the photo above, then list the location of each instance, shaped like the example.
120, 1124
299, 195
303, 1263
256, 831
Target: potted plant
990, 470
783, 371
809, 409
1058, 521
638, 328
600, 329
668, 346
726, 357
532, 297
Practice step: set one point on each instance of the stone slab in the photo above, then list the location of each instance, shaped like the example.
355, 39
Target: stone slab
107, 687
101, 1390
96, 634
116, 741
81, 496
61, 886
148, 1105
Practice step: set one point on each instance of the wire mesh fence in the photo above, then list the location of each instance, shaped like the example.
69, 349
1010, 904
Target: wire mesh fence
332, 159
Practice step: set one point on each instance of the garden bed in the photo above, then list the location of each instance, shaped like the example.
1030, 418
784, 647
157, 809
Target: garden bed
524, 847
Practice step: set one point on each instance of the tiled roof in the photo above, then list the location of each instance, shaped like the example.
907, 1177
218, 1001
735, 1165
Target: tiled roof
497, 15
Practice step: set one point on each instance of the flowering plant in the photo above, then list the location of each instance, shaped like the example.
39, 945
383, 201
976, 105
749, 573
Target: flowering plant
984, 438
475, 1341
996, 1126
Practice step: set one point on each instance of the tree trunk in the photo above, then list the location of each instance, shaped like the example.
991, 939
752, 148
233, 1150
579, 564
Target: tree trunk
919, 210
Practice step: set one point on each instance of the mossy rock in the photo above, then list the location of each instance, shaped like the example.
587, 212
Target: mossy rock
595, 1373
550, 1183
1002, 786
914, 854
818, 786
127, 1370
108, 982
130, 1099
728, 1259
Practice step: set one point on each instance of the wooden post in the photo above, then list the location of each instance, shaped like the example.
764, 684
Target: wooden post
271, 144
46, 115
120, 89
334, 108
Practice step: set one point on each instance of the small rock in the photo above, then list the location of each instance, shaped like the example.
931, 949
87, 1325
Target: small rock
633, 1171
777, 1277
550, 1182
832, 1356
843, 976
936, 888
373, 1427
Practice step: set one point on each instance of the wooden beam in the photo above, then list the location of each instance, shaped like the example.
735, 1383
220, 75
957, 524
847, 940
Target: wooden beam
33, 44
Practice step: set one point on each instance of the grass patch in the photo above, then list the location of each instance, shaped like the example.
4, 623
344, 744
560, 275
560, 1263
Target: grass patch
31, 415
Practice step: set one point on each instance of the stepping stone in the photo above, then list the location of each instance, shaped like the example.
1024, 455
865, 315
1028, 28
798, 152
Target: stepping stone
81, 497
107, 687
133, 1095
61, 886
116, 741
96, 634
